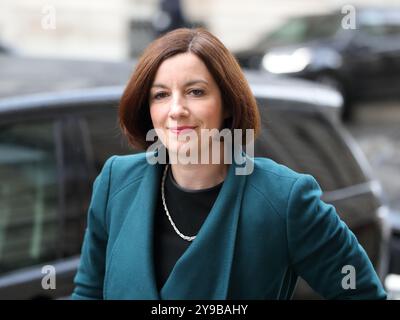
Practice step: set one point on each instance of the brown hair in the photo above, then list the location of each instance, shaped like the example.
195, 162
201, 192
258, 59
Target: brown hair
134, 113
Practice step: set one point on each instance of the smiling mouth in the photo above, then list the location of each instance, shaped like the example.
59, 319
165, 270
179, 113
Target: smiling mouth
182, 129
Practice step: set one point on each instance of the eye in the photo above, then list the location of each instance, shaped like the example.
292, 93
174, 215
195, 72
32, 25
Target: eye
196, 92
160, 95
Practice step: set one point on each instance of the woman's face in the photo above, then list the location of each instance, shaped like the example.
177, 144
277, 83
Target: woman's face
184, 99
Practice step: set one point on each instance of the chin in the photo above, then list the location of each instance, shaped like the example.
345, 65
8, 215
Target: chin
180, 150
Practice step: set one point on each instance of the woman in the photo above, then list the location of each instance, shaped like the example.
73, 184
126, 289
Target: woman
198, 229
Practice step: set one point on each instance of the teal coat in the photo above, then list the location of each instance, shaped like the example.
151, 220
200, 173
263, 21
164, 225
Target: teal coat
264, 230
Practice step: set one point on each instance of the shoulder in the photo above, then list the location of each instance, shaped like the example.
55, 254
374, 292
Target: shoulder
121, 171
270, 175
279, 185
268, 167
132, 164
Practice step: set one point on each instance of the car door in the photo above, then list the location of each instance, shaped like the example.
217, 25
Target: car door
45, 191
373, 59
103, 134
391, 60
29, 206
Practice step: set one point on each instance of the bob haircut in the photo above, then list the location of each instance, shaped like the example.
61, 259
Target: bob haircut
134, 112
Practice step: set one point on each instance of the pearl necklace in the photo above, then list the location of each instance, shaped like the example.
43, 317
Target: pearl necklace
187, 238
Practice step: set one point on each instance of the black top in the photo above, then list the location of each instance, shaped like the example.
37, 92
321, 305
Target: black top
188, 209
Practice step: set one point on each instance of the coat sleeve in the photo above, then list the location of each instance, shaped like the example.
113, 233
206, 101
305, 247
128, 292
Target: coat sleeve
323, 250
90, 275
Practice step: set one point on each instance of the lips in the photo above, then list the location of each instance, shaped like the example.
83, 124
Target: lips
181, 129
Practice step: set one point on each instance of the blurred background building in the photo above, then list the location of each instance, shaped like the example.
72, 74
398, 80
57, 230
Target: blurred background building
104, 29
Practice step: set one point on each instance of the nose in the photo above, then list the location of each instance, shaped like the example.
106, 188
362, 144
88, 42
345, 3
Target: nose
178, 107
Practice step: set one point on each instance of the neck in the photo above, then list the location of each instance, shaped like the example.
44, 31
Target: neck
199, 176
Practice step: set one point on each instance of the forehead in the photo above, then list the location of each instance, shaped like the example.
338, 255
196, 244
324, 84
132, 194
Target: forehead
182, 65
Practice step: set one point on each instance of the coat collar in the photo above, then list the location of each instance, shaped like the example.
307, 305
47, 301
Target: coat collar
202, 272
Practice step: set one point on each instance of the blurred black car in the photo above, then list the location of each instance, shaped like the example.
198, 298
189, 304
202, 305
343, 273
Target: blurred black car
362, 63
53, 145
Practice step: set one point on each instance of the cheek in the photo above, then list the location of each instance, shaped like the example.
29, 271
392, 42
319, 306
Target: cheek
158, 122
156, 115
213, 115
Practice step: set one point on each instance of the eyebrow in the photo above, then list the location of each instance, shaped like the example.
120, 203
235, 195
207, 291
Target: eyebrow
189, 83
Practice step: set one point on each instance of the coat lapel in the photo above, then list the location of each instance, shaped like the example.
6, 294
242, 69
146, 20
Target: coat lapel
203, 271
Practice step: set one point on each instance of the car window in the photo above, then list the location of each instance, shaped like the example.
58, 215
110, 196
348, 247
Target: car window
303, 29
105, 136
309, 143
375, 30
381, 29
77, 176
28, 194
376, 23
393, 30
